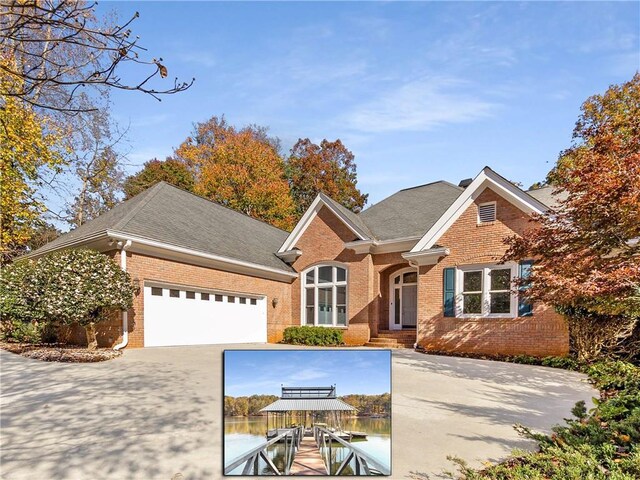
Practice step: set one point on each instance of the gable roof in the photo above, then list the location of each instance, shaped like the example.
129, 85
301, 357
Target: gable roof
410, 212
486, 178
171, 216
350, 220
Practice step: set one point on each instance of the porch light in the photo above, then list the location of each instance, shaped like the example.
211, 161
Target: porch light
274, 302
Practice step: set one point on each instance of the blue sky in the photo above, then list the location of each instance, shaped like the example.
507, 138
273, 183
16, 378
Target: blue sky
418, 91
262, 372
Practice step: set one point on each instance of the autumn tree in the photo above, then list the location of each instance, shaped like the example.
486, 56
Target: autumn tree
328, 168
29, 145
170, 170
586, 250
239, 168
62, 47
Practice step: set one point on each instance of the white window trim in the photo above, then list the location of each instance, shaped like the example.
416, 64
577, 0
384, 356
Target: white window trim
495, 212
485, 268
304, 286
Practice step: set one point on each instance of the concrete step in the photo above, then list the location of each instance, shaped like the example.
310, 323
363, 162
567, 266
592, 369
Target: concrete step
388, 345
397, 336
382, 340
383, 345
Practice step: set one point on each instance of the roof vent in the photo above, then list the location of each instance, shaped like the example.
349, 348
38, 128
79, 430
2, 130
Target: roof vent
465, 183
487, 212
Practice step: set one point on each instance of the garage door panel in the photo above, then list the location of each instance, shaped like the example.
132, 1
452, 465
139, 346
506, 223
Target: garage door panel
183, 321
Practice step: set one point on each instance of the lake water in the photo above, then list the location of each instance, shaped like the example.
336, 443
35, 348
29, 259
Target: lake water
243, 433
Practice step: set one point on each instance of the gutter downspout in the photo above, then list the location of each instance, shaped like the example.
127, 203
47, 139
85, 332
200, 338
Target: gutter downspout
125, 314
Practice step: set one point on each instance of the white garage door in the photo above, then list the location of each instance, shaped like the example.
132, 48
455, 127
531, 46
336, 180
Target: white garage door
180, 316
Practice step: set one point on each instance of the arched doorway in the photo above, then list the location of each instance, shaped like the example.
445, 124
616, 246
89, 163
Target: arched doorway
403, 299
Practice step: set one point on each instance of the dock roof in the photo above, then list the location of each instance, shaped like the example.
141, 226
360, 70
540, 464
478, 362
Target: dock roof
308, 405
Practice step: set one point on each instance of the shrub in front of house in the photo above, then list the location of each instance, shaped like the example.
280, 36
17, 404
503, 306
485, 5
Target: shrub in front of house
315, 336
21, 332
66, 287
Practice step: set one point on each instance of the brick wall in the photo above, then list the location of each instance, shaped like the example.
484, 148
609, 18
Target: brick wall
543, 333
144, 268
323, 241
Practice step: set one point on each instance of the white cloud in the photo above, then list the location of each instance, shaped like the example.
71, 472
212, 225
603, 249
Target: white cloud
149, 120
202, 58
419, 105
306, 374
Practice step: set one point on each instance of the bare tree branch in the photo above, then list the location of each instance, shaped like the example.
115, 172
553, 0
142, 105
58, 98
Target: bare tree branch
51, 48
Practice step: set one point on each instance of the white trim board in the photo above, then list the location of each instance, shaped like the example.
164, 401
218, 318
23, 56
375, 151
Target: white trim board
486, 178
154, 248
308, 217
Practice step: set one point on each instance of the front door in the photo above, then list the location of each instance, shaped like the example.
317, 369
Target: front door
409, 306
403, 300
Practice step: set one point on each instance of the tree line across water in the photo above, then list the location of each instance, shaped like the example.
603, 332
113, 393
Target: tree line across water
365, 404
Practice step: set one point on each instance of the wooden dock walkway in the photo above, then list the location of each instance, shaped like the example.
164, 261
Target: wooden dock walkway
308, 460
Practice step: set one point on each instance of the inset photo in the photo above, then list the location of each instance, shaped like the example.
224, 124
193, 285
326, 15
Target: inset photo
307, 412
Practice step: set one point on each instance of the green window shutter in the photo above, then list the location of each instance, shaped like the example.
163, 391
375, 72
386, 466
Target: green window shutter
525, 308
449, 292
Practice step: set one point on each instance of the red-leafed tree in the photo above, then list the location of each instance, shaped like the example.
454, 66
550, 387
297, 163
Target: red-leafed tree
587, 249
328, 168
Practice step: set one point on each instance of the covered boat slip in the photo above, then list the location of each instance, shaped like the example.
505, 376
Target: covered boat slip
308, 407
309, 447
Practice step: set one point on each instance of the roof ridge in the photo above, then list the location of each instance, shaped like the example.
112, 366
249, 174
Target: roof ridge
223, 206
122, 223
426, 185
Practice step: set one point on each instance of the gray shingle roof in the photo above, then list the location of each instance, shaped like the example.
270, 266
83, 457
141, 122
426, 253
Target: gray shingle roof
545, 195
170, 215
410, 212
308, 404
353, 217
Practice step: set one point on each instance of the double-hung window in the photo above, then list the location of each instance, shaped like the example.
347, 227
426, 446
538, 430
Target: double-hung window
485, 291
324, 296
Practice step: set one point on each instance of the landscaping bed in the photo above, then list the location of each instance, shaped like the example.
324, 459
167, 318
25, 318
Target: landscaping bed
566, 363
60, 353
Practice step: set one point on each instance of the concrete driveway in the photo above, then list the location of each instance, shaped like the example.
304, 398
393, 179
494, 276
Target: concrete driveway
157, 412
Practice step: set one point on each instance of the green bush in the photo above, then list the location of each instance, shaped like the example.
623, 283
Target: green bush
22, 293
69, 286
22, 332
566, 363
307, 335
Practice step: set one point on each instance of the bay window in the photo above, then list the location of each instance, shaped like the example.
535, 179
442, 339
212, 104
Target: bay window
324, 296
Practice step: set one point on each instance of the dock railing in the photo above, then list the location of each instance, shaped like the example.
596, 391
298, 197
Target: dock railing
251, 459
364, 464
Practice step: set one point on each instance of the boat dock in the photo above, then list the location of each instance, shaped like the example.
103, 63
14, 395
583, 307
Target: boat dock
306, 454
307, 460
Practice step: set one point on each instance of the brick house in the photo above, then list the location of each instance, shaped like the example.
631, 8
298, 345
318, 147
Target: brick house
421, 266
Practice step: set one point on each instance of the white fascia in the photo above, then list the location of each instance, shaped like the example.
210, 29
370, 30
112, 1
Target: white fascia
215, 261
486, 178
68, 244
426, 257
308, 217
382, 246
289, 256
